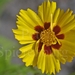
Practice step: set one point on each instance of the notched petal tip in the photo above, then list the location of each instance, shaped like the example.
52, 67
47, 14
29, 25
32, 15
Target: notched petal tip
21, 55
21, 10
14, 30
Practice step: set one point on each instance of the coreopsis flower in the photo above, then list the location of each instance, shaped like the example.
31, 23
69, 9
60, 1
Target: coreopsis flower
48, 37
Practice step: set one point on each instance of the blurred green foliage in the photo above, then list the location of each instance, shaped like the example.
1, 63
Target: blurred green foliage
73, 73
6, 47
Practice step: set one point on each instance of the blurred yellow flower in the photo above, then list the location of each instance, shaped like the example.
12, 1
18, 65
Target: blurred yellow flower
48, 36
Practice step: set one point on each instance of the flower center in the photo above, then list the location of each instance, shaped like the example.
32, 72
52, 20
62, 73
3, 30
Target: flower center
48, 37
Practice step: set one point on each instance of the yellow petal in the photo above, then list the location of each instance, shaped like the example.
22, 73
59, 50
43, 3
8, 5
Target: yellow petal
40, 12
23, 37
67, 50
56, 15
46, 9
41, 60
43, 64
53, 7
29, 57
52, 70
26, 41
34, 17
69, 58
59, 56
24, 14
27, 48
22, 55
25, 27
21, 21
51, 10
36, 47
48, 67
17, 31
69, 19
70, 36
36, 53
68, 27
65, 17
35, 60
23, 31
66, 45
60, 16
43, 10
57, 64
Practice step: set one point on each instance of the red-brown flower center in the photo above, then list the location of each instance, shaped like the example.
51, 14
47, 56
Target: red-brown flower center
50, 38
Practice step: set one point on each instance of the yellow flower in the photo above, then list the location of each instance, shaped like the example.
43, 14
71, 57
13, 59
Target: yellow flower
48, 36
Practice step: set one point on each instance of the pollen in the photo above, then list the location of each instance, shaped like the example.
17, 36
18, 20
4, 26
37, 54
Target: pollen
48, 37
